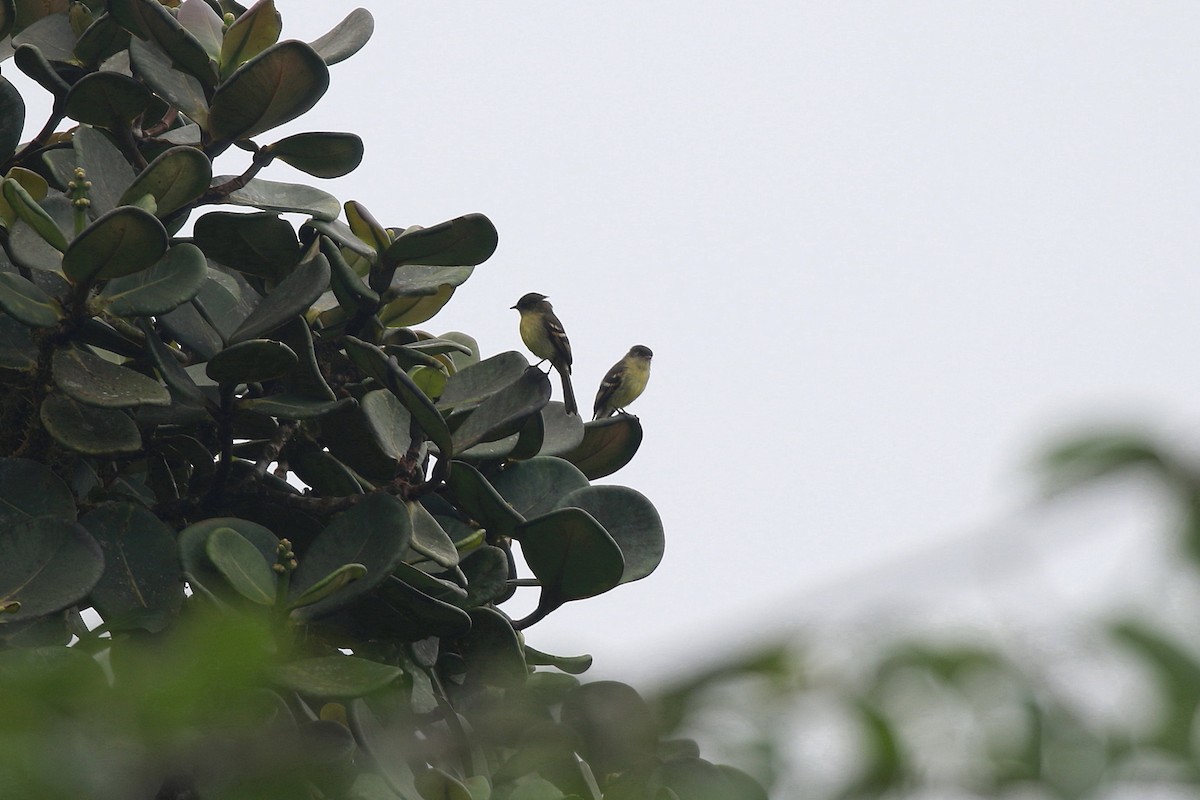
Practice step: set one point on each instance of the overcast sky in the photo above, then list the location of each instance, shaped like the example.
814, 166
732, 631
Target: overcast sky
882, 252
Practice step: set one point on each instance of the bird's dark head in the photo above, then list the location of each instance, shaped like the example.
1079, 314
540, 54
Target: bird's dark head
530, 300
641, 351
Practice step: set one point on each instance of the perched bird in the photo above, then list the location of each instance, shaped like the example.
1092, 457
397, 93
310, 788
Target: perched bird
543, 334
624, 383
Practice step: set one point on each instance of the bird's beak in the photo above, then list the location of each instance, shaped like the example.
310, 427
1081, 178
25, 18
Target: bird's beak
512, 306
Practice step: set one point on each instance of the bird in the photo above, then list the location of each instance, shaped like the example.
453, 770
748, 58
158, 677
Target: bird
543, 334
624, 383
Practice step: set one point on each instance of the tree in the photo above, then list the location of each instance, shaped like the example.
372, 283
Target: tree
255, 526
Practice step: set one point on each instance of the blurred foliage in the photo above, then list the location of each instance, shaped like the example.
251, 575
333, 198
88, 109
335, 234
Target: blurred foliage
257, 528
1109, 708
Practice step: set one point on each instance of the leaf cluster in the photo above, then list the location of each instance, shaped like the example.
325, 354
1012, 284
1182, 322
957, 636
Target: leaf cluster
224, 425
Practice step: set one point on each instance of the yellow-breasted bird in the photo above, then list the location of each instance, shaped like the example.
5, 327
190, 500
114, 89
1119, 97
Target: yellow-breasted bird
543, 334
624, 383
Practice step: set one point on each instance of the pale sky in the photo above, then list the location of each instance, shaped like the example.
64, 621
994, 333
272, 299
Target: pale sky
882, 252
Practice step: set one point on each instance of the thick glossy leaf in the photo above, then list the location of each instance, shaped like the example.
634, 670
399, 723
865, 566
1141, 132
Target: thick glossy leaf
106, 168
198, 18
375, 533
389, 420
241, 565
101, 40
258, 244
383, 368
400, 610
288, 197
12, 118
91, 379
142, 584
572, 665
87, 429
475, 383
178, 88
492, 651
33, 214
608, 445
174, 179
346, 38
254, 31
30, 60
289, 299
523, 397
251, 361
324, 155
193, 542
353, 442
364, 225
46, 564
169, 368
630, 519
30, 489
123, 241
305, 378
108, 100
533, 487
335, 677
475, 495
433, 784
291, 406
341, 233
274, 87
350, 290
487, 575
465, 241
174, 280
24, 301
408, 311
149, 19
330, 585
422, 281
17, 350
52, 35
429, 539
326, 475
571, 554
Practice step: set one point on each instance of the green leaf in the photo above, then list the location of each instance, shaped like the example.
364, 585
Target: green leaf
617, 728
148, 19
468, 240
17, 350
46, 564
325, 474
32, 62
108, 100
123, 241
294, 198
90, 379
366, 227
252, 361
433, 784
260, 244
291, 406
30, 489
563, 432
399, 610
27, 303
630, 519
253, 32
608, 445
52, 35
429, 539
383, 368
571, 554
523, 397
174, 280
276, 86
142, 580
33, 214
199, 19
408, 311
375, 533
389, 420
193, 551
335, 677
346, 38
330, 585
572, 665
242, 565
101, 40
87, 429
106, 168
177, 177
533, 487
473, 384
323, 155
487, 576
173, 374
475, 495
12, 118
305, 378
290, 298
492, 651
180, 89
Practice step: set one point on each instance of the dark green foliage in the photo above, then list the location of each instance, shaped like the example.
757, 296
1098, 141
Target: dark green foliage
256, 529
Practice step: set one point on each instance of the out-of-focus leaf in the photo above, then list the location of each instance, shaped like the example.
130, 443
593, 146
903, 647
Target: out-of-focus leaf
335, 677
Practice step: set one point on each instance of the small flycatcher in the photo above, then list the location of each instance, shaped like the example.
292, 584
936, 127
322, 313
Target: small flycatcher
624, 383
543, 334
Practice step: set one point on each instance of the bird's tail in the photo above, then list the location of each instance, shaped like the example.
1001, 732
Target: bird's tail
568, 392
